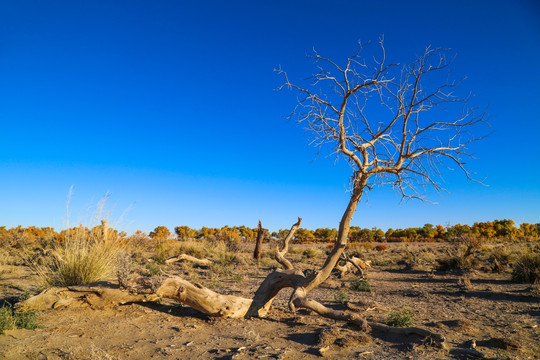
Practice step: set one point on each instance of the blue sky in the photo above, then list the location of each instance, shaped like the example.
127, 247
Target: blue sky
170, 106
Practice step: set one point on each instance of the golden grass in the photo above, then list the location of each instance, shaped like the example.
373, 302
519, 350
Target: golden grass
84, 257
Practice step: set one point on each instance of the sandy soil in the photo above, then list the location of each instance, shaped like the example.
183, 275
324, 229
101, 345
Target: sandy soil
501, 316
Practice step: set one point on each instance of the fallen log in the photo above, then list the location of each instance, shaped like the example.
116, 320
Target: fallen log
193, 259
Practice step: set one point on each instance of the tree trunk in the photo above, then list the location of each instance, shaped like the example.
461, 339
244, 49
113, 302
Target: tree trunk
258, 244
341, 241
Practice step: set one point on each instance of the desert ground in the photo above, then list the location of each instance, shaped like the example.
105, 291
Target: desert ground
481, 313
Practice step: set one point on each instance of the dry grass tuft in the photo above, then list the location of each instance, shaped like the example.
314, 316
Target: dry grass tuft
85, 256
527, 268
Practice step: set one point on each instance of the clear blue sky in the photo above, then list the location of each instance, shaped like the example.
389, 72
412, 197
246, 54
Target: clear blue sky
170, 106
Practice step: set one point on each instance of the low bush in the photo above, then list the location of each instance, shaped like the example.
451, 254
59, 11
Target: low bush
527, 268
123, 268
360, 285
381, 247
499, 259
197, 250
7, 322
341, 297
400, 318
20, 318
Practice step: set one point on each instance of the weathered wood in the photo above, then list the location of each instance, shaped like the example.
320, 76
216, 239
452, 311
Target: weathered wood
204, 299
185, 257
351, 264
100, 296
280, 252
258, 244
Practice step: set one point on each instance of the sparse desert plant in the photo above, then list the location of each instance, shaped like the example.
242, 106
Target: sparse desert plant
400, 318
83, 257
463, 256
159, 258
153, 269
20, 318
26, 318
449, 263
197, 250
224, 258
7, 321
268, 263
341, 297
123, 268
499, 259
165, 249
381, 247
360, 285
238, 278
366, 246
311, 253
155, 282
527, 268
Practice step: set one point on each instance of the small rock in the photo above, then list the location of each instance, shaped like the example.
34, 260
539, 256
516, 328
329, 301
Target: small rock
323, 350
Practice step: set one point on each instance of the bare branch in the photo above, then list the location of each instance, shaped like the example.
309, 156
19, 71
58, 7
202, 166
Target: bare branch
280, 253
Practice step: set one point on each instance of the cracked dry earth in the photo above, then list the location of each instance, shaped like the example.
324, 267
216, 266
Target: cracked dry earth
500, 316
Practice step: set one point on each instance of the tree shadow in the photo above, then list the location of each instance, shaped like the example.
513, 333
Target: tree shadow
177, 310
489, 295
304, 338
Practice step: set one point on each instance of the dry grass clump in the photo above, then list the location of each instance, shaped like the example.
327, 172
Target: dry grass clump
85, 256
381, 247
312, 253
196, 249
499, 259
527, 268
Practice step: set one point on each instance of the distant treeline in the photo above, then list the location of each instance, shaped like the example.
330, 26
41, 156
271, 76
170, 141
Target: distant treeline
497, 229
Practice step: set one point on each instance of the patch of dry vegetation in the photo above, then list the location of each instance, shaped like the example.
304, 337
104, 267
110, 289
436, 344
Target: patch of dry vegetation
85, 256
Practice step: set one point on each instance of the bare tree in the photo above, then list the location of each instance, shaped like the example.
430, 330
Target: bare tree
405, 141
394, 127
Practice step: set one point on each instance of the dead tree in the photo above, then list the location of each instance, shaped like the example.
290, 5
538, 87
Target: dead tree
394, 127
258, 244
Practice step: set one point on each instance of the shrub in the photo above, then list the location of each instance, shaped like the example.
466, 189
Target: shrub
527, 268
123, 268
366, 246
449, 263
193, 249
341, 297
311, 253
159, 258
381, 247
238, 278
26, 319
7, 322
20, 318
83, 257
361, 285
499, 259
153, 269
400, 318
